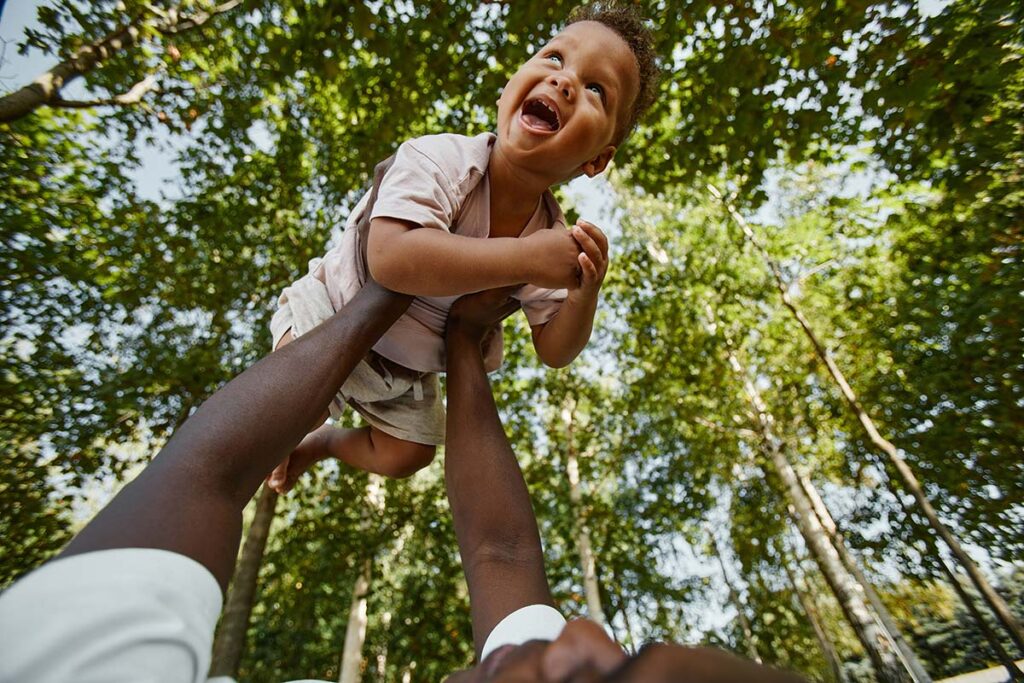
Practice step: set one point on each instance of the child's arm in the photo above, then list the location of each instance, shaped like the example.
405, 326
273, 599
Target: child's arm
410, 259
561, 339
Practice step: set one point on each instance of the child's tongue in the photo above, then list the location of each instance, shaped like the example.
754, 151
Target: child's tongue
535, 121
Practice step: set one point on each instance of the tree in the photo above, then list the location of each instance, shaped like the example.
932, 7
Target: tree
230, 639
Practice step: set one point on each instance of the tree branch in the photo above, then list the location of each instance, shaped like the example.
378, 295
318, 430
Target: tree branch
45, 90
133, 96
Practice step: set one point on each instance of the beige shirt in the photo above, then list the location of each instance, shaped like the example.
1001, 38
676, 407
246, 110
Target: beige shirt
439, 182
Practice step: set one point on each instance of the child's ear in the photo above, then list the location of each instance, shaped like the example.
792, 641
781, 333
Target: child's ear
599, 163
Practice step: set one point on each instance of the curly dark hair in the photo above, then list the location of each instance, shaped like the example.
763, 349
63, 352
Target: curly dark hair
628, 22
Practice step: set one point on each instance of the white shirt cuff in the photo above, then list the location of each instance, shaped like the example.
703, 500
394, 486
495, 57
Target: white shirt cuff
533, 622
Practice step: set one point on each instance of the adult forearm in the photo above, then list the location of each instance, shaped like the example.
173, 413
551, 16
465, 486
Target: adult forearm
566, 335
189, 499
428, 262
478, 452
494, 522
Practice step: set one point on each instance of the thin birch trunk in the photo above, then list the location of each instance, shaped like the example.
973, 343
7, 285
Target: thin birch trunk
847, 591
46, 88
809, 609
734, 598
991, 597
907, 654
230, 640
1011, 667
591, 589
355, 632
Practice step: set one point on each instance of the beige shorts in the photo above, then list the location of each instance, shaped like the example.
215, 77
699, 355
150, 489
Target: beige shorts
396, 400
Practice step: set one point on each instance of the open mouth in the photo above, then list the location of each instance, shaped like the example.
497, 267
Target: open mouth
537, 113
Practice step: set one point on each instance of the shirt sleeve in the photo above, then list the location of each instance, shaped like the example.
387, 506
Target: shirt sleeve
533, 622
129, 614
540, 305
417, 189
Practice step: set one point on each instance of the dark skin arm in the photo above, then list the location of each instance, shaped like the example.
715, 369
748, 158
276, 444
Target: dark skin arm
494, 521
500, 545
189, 499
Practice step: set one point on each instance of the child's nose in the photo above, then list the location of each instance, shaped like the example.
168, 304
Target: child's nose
563, 85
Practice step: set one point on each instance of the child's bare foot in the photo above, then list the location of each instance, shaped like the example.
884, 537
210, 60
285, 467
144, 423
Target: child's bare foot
314, 447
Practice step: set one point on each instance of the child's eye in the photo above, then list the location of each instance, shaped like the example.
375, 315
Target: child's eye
554, 56
597, 88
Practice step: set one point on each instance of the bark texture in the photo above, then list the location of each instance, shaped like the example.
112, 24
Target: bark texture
908, 656
46, 88
230, 641
995, 602
591, 588
848, 592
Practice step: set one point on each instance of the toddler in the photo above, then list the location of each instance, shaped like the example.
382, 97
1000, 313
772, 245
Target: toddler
450, 214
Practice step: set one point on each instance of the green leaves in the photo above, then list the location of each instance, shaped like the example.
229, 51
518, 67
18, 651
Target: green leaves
879, 150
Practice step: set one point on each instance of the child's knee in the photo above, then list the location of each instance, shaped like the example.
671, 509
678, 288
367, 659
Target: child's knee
399, 459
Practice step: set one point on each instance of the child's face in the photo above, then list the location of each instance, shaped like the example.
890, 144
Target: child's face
558, 114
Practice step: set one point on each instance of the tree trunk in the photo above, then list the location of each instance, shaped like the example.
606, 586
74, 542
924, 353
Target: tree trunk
230, 641
734, 598
907, 654
848, 592
47, 87
991, 597
591, 589
355, 632
807, 605
997, 646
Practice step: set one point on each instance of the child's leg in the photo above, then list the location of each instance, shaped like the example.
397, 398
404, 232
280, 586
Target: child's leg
366, 448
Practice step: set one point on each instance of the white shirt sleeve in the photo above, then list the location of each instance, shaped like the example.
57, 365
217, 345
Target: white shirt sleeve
533, 622
133, 614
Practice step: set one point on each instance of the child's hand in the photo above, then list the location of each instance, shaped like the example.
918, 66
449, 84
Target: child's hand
551, 259
593, 259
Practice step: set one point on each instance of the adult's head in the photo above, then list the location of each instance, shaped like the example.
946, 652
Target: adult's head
583, 652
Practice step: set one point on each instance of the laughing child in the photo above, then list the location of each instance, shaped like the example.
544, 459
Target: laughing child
454, 215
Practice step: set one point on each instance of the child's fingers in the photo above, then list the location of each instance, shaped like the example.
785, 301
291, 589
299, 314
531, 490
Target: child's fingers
589, 270
587, 243
596, 234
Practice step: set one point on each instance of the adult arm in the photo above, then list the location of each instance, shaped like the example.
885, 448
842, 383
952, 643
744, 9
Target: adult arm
189, 499
494, 522
408, 258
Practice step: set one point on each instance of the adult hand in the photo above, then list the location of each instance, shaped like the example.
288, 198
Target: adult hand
476, 315
584, 652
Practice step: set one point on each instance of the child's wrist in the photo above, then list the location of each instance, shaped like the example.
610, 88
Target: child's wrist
523, 262
583, 295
